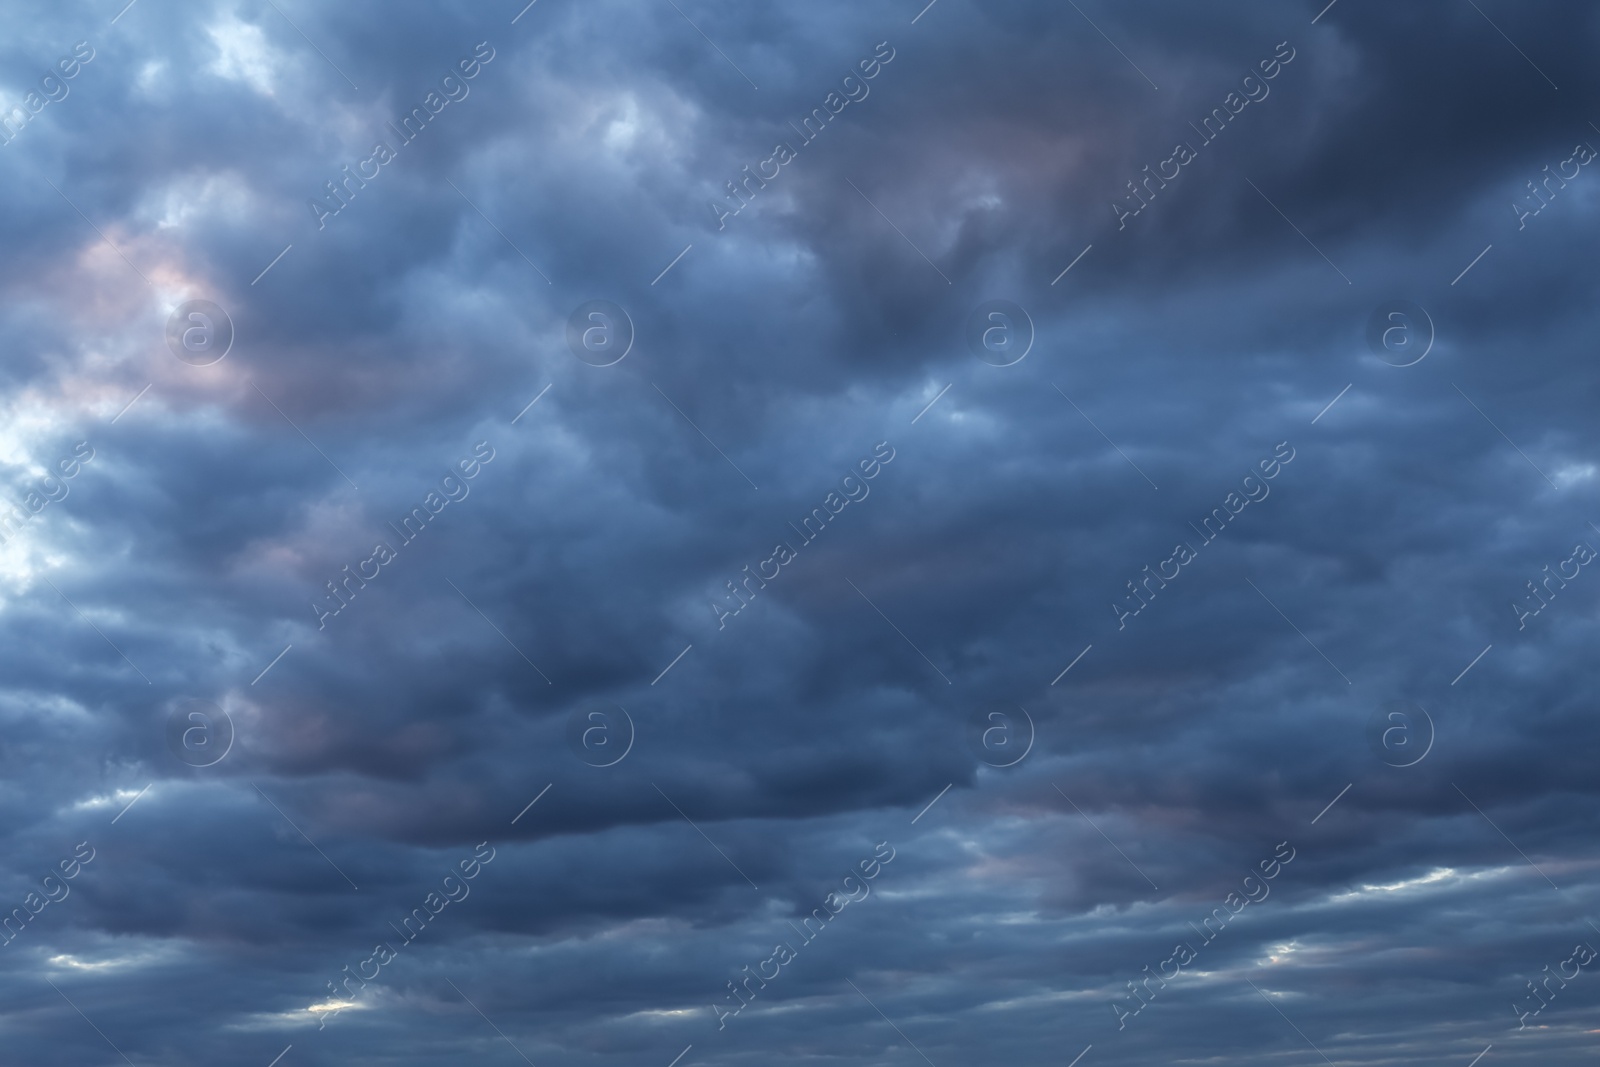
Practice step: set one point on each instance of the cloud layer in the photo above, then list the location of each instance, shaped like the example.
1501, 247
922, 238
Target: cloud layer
388, 561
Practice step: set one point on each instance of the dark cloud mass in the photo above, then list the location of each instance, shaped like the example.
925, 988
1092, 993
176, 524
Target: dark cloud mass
689, 532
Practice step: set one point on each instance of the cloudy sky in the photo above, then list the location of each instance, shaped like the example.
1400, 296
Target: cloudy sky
707, 533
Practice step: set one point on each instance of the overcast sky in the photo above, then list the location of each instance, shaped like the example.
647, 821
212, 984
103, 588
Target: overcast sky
649, 532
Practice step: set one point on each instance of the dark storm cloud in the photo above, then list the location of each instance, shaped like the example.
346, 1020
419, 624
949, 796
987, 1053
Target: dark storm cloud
578, 569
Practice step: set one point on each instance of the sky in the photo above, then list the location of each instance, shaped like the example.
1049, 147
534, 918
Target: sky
689, 532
